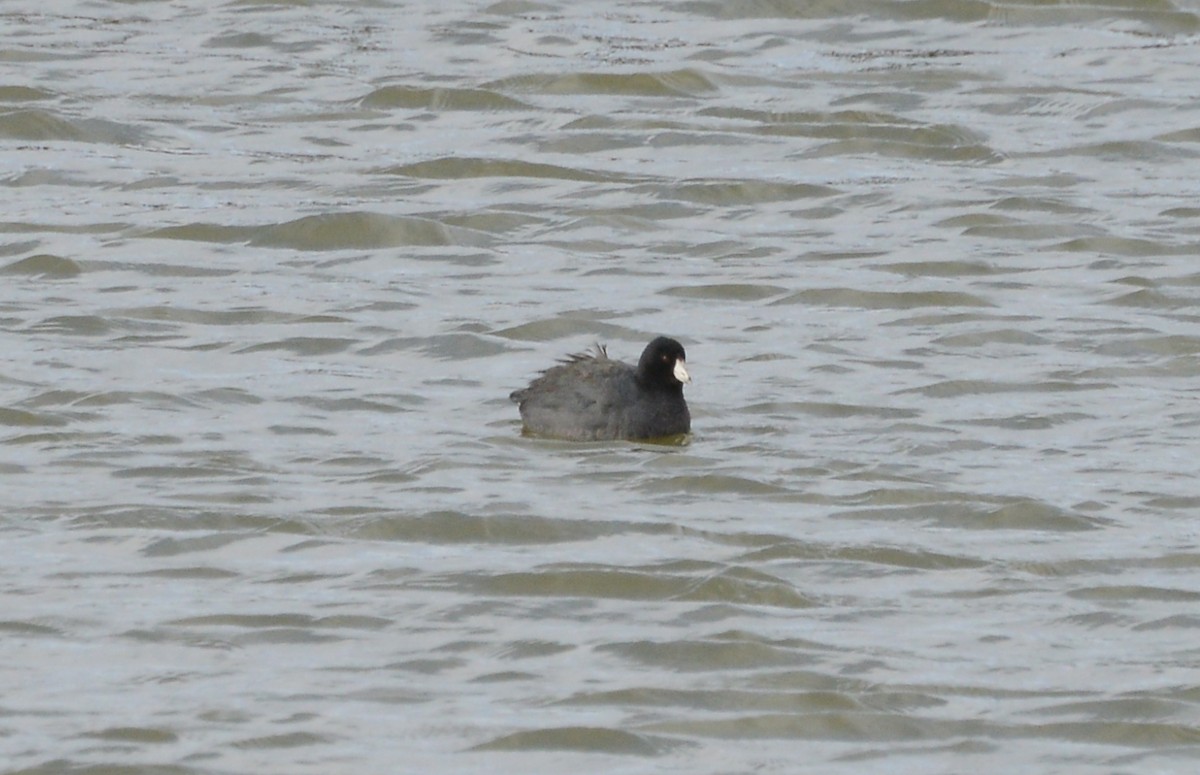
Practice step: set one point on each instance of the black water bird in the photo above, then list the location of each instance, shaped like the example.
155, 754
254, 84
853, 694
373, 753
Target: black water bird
591, 397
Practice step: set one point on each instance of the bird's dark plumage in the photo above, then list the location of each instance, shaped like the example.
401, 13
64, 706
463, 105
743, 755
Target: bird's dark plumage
590, 397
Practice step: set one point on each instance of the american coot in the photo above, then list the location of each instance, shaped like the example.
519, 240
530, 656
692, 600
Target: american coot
592, 398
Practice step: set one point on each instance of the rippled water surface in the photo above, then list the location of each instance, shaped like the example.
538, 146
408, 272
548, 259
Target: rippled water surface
271, 270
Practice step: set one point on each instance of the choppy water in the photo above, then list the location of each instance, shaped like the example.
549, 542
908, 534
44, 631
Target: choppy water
271, 269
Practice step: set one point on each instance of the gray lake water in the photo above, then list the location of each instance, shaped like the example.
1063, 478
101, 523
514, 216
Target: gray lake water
271, 269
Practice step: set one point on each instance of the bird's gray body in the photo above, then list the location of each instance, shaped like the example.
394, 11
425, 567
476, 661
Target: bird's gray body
591, 397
